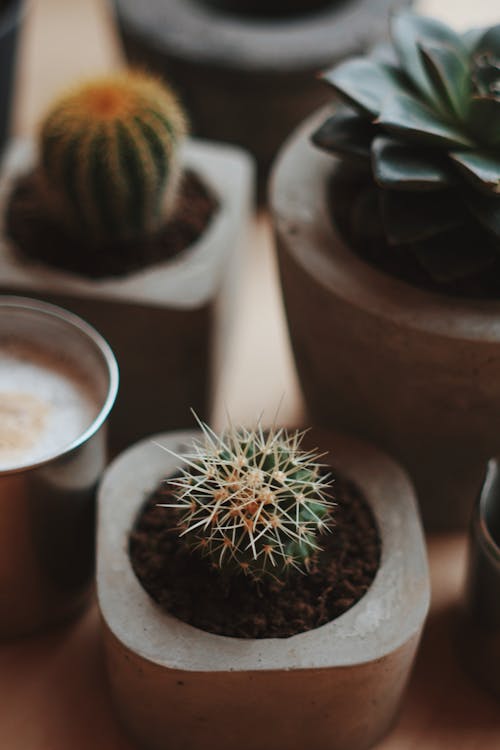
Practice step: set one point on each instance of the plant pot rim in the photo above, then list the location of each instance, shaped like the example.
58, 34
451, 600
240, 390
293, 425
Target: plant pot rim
28, 306
300, 215
277, 45
489, 494
388, 615
186, 281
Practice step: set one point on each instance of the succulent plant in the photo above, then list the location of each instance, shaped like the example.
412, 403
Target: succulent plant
253, 501
109, 156
425, 117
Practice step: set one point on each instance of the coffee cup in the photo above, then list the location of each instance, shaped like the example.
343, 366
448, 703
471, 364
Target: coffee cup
58, 383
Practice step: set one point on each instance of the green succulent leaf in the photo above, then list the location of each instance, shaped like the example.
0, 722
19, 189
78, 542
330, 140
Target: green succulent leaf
447, 258
397, 166
448, 70
408, 32
407, 117
484, 120
345, 133
365, 83
365, 218
412, 217
486, 210
434, 143
483, 170
385, 53
471, 38
489, 42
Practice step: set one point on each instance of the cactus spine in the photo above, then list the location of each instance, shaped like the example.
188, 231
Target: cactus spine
253, 502
109, 157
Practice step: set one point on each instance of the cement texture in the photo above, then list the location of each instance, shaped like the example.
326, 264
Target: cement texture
337, 687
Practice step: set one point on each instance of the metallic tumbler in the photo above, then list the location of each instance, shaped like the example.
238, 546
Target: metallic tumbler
47, 508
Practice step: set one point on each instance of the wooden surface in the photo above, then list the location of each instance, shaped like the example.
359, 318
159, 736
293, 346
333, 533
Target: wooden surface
53, 693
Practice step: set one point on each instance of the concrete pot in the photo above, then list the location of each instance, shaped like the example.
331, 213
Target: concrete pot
166, 323
10, 24
248, 79
416, 372
480, 632
337, 687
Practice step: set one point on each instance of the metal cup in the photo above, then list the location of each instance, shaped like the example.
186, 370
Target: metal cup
47, 508
480, 641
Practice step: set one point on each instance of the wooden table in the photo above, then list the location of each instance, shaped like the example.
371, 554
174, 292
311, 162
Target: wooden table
53, 693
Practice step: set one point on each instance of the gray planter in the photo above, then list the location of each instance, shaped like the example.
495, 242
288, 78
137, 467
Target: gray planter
167, 324
334, 688
480, 642
247, 80
10, 23
417, 373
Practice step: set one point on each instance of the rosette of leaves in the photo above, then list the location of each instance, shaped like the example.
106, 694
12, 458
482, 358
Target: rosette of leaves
424, 117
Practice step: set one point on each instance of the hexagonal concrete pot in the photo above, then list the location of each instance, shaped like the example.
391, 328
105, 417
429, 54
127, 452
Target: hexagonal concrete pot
167, 324
416, 372
247, 79
337, 687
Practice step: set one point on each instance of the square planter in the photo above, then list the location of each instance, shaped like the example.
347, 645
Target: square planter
337, 687
414, 371
165, 323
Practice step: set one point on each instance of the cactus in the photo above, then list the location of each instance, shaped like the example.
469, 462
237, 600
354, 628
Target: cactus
253, 502
109, 157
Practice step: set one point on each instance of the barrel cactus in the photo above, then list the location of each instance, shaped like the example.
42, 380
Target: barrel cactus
424, 117
109, 161
252, 501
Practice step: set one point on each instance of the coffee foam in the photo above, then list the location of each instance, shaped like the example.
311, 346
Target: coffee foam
44, 405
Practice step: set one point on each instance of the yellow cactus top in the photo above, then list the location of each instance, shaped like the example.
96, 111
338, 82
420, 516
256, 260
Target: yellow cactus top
108, 155
117, 96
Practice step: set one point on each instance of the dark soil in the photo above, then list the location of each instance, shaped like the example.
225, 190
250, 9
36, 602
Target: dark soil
184, 584
268, 9
356, 213
41, 238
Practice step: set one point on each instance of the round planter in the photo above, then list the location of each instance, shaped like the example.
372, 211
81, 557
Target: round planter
245, 79
418, 373
480, 632
10, 22
167, 323
337, 687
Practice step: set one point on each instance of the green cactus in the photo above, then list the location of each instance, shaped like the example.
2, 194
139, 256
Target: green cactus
109, 157
253, 502
424, 117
